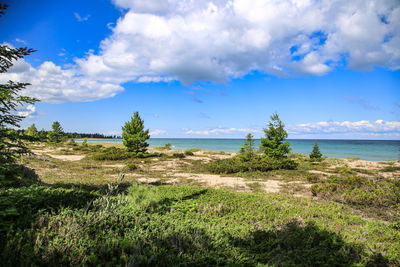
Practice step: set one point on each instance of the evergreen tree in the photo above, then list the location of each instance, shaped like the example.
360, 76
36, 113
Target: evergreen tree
274, 145
84, 143
43, 135
56, 135
11, 141
134, 136
316, 154
247, 151
32, 131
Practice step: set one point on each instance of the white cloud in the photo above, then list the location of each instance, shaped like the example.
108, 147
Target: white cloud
20, 41
28, 112
217, 131
379, 127
51, 83
157, 132
217, 40
80, 18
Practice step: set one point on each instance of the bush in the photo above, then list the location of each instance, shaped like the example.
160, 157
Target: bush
131, 166
111, 153
360, 191
178, 155
189, 153
236, 164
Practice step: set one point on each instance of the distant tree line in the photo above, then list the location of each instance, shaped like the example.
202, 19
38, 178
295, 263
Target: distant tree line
57, 134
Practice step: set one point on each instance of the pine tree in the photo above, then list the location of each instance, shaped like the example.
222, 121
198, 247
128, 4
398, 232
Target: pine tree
56, 135
43, 135
32, 131
274, 145
247, 151
11, 143
134, 136
316, 154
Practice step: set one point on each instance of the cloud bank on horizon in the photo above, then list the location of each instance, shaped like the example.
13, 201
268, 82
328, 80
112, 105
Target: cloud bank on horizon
219, 40
371, 129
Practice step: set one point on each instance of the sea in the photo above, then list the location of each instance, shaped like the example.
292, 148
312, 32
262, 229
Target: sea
373, 150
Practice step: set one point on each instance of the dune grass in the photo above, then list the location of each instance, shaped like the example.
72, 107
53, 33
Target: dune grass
181, 225
81, 213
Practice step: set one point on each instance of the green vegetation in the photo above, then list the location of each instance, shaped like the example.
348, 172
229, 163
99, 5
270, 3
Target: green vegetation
390, 169
56, 135
247, 152
178, 155
11, 142
238, 165
32, 131
374, 195
134, 135
274, 145
111, 153
316, 154
170, 225
274, 155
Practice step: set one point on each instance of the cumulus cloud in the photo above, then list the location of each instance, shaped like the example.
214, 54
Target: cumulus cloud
379, 127
28, 112
51, 83
217, 40
363, 127
157, 132
217, 131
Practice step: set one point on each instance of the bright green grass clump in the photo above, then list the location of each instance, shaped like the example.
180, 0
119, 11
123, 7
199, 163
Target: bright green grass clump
180, 225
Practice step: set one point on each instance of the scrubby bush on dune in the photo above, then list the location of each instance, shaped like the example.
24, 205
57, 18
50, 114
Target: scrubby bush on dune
237, 164
189, 226
188, 153
361, 191
111, 153
178, 155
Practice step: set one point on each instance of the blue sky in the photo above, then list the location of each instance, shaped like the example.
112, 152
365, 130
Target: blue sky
210, 69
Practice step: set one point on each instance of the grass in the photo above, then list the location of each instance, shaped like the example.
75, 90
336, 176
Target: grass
81, 214
170, 225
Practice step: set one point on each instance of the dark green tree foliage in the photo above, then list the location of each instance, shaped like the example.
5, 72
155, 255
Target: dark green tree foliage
11, 142
247, 152
316, 154
43, 135
56, 135
274, 145
134, 136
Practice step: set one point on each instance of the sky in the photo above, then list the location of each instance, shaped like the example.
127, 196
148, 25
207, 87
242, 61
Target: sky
210, 69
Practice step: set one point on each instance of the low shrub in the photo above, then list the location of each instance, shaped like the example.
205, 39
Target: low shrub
111, 153
391, 169
131, 166
178, 155
188, 153
361, 191
236, 164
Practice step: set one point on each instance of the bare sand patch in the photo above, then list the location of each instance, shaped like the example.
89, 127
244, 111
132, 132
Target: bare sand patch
113, 165
68, 157
237, 183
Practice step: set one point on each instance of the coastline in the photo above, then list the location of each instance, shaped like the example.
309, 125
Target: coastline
370, 150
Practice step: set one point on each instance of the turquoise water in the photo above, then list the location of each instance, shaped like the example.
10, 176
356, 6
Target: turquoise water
374, 150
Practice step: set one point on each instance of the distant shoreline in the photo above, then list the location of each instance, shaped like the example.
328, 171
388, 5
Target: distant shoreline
371, 150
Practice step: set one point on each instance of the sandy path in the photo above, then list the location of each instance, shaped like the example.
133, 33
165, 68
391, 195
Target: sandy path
67, 157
